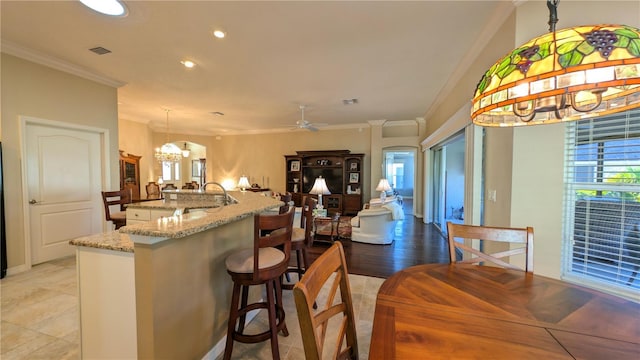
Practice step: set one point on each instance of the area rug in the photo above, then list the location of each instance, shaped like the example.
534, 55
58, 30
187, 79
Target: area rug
324, 227
364, 290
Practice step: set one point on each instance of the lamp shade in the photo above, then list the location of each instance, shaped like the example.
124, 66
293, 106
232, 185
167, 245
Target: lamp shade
185, 151
383, 185
243, 183
320, 187
564, 75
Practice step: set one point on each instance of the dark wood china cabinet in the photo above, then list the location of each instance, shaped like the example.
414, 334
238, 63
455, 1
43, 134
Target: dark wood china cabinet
130, 174
342, 172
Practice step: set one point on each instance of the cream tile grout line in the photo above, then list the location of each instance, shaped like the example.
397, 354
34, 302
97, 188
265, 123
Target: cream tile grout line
39, 312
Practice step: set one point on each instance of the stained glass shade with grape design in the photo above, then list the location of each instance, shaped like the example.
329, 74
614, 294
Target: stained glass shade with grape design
565, 75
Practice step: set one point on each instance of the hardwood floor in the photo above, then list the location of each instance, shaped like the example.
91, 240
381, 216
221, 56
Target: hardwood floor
415, 243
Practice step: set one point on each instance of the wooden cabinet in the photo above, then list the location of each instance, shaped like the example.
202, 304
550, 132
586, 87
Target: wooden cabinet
352, 202
342, 172
130, 174
138, 216
294, 178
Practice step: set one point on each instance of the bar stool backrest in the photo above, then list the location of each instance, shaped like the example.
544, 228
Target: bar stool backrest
264, 225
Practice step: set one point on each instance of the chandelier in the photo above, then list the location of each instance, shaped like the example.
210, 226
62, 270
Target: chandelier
570, 74
168, 152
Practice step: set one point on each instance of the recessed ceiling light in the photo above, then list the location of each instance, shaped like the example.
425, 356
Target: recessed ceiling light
219, 34
188, 64
350, 101
107, 7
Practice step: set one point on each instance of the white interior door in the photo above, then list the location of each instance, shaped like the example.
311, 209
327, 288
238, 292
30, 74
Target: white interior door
63, 173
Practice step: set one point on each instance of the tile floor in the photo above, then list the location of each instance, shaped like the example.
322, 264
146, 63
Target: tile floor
39, 316
40, 313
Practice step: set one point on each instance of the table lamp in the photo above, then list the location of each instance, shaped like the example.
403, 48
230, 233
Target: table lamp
320, 188
243, 183
383, 187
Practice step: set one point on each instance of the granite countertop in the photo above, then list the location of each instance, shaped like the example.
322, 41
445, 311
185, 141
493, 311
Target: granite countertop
206, 217
174, 204
178, 226
112, 240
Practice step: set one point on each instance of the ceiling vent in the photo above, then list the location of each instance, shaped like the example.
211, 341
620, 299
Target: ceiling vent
350, 101
100, 50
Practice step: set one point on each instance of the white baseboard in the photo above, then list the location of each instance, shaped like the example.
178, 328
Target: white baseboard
17, 269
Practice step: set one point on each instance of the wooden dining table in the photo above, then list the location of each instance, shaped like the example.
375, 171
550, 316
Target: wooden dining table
456, 311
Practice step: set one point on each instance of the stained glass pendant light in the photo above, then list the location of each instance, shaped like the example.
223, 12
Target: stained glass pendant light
168, 152
569, 74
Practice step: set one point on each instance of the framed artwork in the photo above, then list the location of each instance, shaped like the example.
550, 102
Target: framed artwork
353, 166
196, 168
295, 165
354, 177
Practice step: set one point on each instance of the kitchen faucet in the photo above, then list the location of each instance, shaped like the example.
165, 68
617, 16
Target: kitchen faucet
224, 191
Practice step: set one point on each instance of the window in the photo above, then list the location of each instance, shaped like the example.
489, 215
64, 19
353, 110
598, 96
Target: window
602, 197
397, 177
170, 171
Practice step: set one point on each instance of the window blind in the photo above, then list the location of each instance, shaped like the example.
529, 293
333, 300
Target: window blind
602, 202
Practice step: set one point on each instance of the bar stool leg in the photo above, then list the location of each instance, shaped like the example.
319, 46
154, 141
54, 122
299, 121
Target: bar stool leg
305, 261
272, 310
299, 262
233, 316
243, 304
280, 305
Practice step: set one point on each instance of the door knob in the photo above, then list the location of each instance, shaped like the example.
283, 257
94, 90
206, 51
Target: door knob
32, 201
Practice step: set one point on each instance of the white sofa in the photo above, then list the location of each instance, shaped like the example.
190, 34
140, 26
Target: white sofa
376, 225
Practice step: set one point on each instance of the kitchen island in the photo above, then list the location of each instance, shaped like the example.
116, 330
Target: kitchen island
164, 282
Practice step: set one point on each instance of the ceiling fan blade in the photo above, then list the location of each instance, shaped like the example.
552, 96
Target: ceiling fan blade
311, 128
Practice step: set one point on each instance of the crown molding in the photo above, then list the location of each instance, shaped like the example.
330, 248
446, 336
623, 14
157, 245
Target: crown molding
498, 17
376, 122
55, 63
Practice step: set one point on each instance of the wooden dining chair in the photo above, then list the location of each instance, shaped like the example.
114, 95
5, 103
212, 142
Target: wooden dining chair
522, 236
169, 187
330, 269
153, 190
121, 198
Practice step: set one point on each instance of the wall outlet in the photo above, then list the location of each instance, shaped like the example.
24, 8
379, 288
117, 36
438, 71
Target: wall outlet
491, 195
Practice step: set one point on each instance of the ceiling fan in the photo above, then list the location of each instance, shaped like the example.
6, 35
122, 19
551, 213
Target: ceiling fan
304, 124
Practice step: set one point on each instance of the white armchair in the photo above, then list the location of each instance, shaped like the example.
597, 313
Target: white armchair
374, 226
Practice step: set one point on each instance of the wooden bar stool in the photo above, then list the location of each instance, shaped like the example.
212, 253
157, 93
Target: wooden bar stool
301, 240
264, 264
121, 198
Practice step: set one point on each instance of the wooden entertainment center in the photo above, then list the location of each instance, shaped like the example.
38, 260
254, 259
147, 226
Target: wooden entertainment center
342, 172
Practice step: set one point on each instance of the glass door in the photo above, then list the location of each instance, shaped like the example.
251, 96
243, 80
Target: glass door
438, 185
448, 182
399, 169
